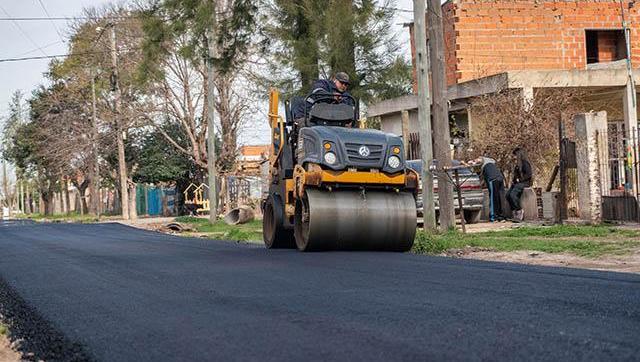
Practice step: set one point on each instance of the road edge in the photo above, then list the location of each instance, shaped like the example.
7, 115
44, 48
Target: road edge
33, 336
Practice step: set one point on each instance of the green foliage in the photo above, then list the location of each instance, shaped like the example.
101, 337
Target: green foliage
158, 160
587, 241
166, 20
319, 38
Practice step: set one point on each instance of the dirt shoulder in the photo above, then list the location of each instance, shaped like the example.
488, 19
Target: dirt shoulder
629, 263
7, 354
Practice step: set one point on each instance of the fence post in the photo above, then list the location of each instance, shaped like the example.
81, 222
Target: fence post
588, 125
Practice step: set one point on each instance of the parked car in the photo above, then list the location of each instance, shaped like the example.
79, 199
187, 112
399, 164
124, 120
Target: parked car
472, 195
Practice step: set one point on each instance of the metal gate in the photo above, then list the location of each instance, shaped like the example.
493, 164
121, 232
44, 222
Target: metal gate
619, 172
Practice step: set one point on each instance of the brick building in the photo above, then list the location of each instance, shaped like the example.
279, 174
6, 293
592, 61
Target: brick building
492, 45
486, 37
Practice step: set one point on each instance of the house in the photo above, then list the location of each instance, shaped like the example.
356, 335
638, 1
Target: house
250, 157
527, 45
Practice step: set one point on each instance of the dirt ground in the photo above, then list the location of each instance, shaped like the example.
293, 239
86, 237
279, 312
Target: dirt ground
629, 263
6, 353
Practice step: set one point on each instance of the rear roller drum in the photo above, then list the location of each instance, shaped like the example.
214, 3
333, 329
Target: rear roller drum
355, 220
274, 235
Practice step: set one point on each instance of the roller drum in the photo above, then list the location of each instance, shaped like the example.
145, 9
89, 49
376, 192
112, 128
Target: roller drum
355, 220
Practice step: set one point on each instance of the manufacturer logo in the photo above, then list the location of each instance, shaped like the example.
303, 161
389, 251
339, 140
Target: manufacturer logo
364, 151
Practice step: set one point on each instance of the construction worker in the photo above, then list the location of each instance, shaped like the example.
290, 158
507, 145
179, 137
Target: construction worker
493, 178
522, 177
337, 86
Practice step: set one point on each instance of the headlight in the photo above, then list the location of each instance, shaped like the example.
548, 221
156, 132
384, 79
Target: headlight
330, 158
393, 162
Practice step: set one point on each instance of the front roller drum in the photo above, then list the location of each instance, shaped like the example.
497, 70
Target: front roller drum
355, 220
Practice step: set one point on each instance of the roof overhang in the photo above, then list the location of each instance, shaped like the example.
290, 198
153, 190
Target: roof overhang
576, 78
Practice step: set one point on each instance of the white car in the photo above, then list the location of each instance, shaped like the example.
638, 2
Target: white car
472, 195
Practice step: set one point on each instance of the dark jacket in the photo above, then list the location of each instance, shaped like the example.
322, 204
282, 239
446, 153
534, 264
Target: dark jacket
319, 89
523, 173
490, 171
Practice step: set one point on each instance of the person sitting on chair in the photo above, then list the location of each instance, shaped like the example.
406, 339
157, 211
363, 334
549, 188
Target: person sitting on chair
522, 177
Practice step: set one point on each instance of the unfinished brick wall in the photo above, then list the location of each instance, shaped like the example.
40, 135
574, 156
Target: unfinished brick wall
448, 13
485, 37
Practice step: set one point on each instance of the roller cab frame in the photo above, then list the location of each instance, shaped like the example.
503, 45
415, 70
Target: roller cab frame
333, 186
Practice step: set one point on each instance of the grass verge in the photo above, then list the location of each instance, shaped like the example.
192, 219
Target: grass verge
586, 241
251, 231
3, 329
71, 217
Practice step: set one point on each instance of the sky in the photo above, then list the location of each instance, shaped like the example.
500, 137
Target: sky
46, 38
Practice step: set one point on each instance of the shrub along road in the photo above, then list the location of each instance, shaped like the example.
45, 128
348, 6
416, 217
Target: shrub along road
111, 292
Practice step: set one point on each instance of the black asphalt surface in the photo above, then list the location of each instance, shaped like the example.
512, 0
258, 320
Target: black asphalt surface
114, 293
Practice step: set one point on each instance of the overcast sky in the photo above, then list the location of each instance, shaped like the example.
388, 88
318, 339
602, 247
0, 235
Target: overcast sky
45, 38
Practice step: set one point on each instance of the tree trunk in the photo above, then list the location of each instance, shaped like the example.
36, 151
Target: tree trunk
228, 125
133, 210
65, 185
83, 199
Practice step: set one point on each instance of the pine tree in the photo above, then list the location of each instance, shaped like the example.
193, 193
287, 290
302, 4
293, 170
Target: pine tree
319, 38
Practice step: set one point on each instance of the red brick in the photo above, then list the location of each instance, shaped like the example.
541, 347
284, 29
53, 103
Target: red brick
497, 34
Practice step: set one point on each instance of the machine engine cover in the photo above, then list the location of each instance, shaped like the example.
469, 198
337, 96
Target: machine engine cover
363, 149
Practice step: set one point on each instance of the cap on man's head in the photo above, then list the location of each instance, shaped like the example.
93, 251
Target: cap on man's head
342, 77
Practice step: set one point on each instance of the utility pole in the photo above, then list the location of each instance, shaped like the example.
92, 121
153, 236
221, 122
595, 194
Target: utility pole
630, 106
211, 149
122, 165
441, 137
95, 179
424, 113
5, 187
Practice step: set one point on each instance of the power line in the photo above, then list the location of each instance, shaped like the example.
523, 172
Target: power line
57, 56
43, 47
66, 18
52, 23
22, 31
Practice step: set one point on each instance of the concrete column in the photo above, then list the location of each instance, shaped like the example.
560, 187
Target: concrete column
630, 107
590, 179
527, 98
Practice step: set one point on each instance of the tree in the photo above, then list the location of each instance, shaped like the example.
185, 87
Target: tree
122, 101
315, 39
502, 122
174, 64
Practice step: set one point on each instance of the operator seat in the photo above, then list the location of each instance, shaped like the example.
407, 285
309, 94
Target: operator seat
328, 114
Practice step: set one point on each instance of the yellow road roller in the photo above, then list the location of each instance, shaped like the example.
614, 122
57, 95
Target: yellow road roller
334, 186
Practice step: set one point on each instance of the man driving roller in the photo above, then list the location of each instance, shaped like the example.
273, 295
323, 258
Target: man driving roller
337, 86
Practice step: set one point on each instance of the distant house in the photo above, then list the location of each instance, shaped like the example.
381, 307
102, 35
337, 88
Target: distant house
250, 158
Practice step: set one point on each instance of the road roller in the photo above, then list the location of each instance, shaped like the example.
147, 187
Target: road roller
334, 185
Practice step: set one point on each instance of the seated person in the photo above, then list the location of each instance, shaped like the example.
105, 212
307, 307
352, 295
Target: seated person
522, 178
337, 86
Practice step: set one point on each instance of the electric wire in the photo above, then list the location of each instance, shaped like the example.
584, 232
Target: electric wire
52, 22
15, 23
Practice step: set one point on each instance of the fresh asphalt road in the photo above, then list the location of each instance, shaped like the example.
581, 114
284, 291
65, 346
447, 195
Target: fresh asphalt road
131, 295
